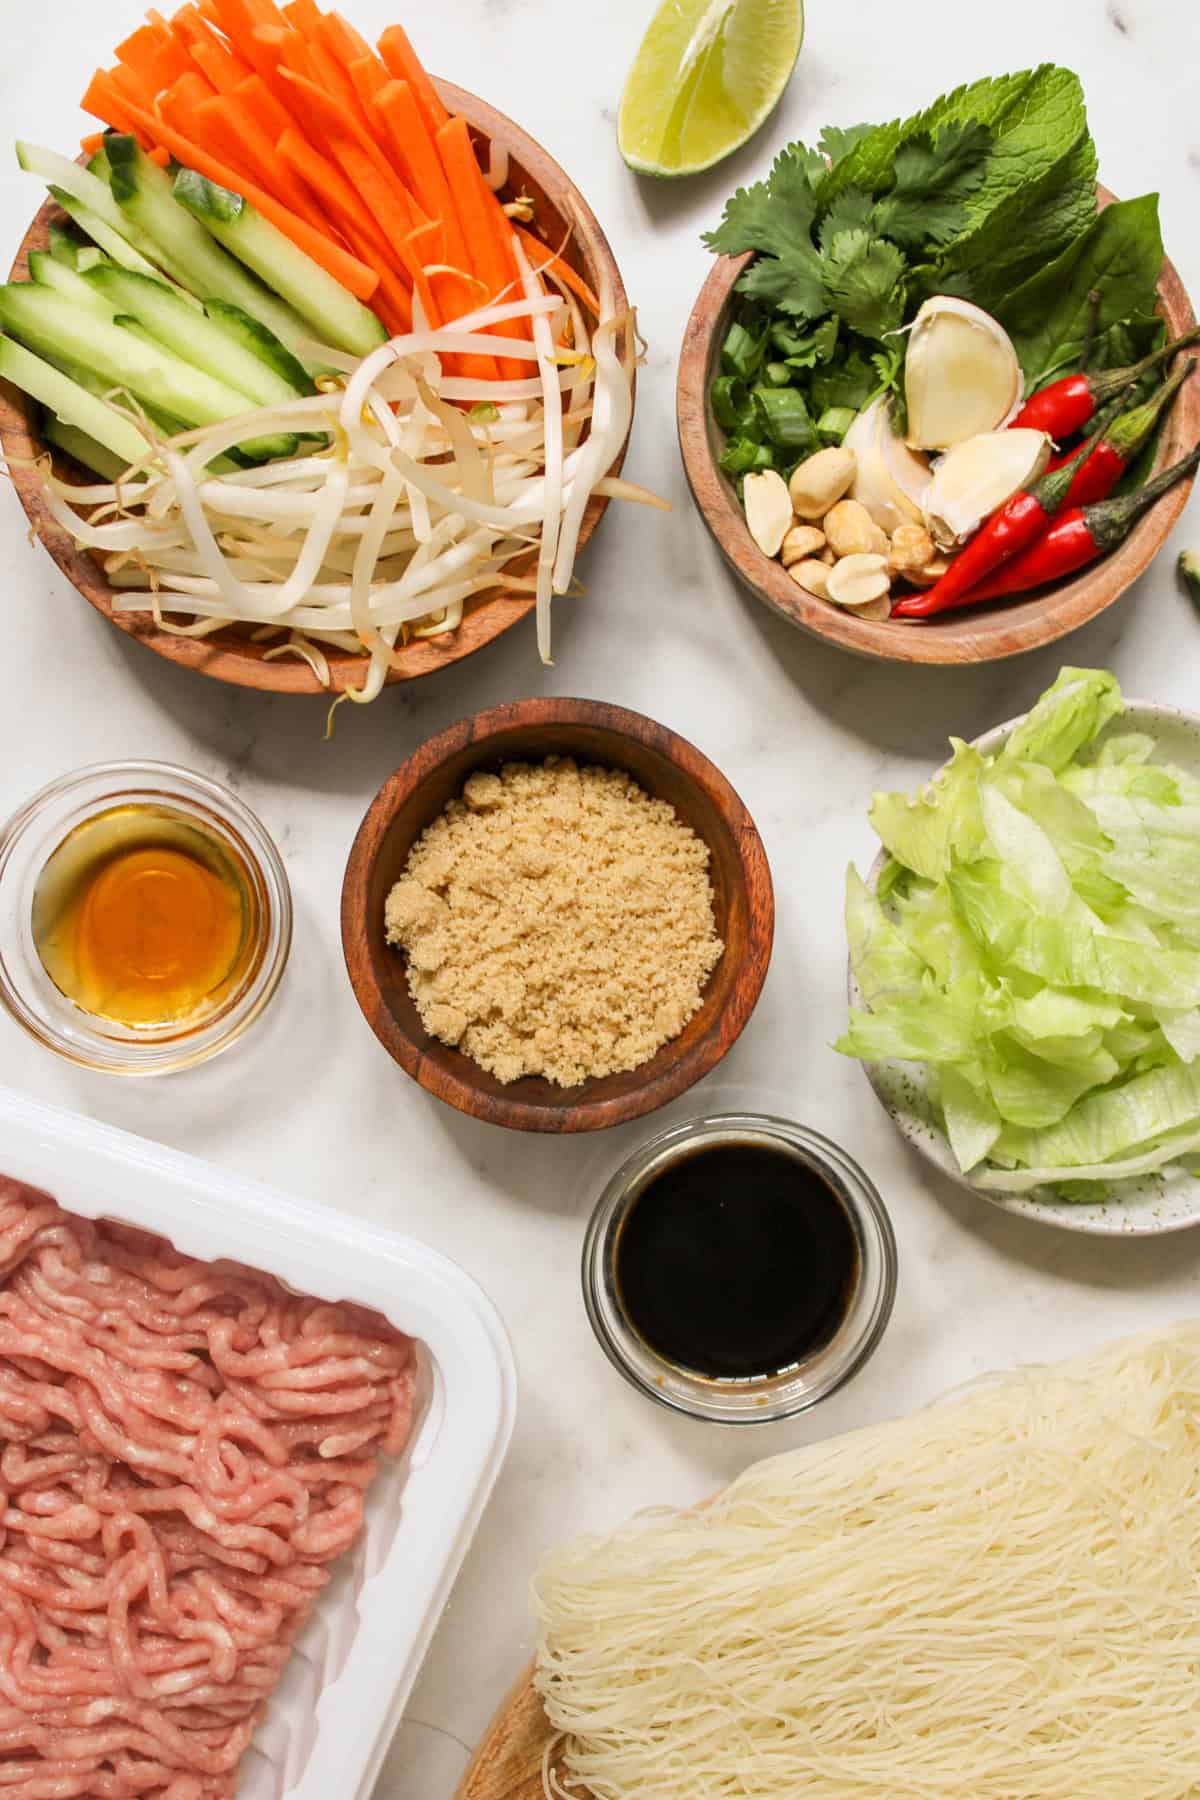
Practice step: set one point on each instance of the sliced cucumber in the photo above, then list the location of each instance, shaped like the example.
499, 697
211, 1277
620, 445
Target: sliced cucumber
63, 247
84, 449
47, 273
118, 248
258, 340
335, 315
206, 343
143, 194
47, 323
72, 402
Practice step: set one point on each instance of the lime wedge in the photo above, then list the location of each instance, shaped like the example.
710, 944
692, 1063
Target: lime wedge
706, 76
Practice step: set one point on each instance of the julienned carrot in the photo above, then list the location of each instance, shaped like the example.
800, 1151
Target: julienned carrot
91, 143
352, 274
254, 94
302, 15
345, 42
342, 133
237, 124
476, 203
104, 101
343, 205
421, 164
159, 156
369, 77
541, 257
186, 94
333, 75
396, 107
403, 62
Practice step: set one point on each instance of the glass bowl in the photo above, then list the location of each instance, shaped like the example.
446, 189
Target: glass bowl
39, 827
761, 1399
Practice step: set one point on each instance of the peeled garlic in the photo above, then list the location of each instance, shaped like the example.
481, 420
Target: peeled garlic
961, 375
857, 580
978, 476
768, 510
890, 479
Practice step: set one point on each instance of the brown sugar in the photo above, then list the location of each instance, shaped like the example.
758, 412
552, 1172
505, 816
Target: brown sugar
557, 921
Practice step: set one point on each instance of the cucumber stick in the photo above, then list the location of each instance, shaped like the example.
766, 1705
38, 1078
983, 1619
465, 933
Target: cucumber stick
207, 343
44, 270
110, 242
48, 324
142, 194
335, 315
84, 449
72, 403
63, 247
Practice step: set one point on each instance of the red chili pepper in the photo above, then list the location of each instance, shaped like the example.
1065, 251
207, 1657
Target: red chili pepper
1120, 441
1081, 536
1088, 475
1009, 531
1066, 406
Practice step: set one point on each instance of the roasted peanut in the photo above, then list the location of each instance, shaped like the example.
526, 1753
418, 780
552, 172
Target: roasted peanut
912, 548
768, 510
857, 580
801, 541
852, 531
820, 480
812, 576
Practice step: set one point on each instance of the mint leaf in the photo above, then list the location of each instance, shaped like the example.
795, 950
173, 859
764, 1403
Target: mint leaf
864, 282
1120, 256
837, 141
935, 176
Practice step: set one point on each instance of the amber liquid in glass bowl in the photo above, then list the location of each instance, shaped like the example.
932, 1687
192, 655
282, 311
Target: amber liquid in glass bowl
142, 916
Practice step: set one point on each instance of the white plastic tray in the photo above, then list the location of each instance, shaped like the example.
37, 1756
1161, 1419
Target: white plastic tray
353, 1666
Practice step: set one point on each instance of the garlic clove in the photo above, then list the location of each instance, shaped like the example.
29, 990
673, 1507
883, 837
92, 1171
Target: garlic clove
768, 510
977, 476
961, 374
858, 580
890, 479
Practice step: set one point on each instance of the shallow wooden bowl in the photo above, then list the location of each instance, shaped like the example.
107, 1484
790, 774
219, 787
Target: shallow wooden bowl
981, 634
666, 766
230, 655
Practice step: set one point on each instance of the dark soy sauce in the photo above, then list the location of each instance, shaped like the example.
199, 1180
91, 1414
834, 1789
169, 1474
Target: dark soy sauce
736, 1261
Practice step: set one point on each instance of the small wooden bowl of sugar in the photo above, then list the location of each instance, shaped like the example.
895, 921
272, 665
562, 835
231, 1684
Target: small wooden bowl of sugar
576, 744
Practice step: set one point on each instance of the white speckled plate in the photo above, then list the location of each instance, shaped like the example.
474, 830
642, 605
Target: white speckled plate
1139, 1207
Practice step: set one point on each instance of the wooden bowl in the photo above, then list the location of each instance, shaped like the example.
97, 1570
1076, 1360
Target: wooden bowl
981, 634
229, 655
665, 765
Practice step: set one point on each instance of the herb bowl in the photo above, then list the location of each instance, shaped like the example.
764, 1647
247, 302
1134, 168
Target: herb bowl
978, 634
666, 766
1138, 1206
563, 218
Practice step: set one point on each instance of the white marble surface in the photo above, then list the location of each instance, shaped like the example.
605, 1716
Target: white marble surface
311, 1101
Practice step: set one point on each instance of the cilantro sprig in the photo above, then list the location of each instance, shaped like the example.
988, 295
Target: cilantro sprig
849, 254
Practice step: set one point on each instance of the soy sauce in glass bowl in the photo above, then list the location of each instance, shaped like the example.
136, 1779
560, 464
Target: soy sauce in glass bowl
739, 1268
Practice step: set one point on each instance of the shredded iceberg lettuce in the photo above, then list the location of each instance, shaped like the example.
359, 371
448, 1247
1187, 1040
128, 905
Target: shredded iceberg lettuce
1036, 943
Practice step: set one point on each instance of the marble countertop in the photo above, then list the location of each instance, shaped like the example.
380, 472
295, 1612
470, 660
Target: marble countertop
311, 1102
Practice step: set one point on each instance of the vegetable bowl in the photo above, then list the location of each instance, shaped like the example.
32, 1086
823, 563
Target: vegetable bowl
757, 240
236, 654
1136, 1204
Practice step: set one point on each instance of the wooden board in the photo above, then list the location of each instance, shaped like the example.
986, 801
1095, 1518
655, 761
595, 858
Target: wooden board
508, 1763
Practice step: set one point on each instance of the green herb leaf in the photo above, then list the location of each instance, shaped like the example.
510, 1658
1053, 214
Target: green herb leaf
1120, 256
808, 349
837, 141
849, 383
935, 176
852, 211
774, 216
864, 279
